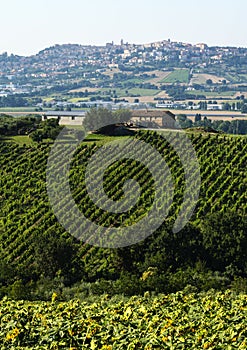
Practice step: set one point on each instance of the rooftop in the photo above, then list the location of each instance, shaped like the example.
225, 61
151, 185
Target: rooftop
151, 113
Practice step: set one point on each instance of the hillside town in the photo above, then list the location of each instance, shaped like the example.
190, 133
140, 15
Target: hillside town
20, 74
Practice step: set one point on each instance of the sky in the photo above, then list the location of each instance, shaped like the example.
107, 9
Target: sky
28, 26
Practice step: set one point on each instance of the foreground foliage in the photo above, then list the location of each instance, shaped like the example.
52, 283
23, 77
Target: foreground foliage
212, 320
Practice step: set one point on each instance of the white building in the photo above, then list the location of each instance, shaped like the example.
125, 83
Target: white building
214, 107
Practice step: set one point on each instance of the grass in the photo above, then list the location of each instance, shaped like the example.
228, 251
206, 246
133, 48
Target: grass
201, 78
212, 93
48, 99
90, 138
134, 91
20, 139
243, 77
136, 80
177, 76
233, 78
17, 109
143, 92
78, 99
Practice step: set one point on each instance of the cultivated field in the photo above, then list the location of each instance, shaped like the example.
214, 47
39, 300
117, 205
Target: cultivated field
202, 78
177, 76
213, 320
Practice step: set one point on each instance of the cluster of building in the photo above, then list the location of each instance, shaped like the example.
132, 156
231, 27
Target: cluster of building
111, 105
67, 62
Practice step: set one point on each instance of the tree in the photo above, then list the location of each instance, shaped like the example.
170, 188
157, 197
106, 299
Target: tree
206, 122
37, 135
203, 105
167, 250
238, 105
226, 106
225, 240
209, 81
97, 118
183, 121
244, 108
55, 254
198, 117
121, 116
182, 117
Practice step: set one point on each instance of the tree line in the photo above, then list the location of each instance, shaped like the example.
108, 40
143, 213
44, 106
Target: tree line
236, 127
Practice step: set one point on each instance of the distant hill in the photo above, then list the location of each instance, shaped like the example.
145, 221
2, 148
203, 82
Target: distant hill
134, 72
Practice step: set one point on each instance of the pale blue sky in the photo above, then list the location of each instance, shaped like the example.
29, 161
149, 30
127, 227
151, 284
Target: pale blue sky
28, 26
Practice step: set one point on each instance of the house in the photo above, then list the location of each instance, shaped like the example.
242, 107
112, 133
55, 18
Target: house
152, 117
139, 117
214, 107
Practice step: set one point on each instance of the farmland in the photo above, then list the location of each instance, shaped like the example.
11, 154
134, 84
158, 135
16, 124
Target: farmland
155, 72
168, 291
26, 213
176, 321
202, 78
177, 76
133, 241
214, 94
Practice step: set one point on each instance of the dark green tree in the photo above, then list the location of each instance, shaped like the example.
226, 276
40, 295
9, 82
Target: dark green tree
96, 118
225, 240
209, 81
55, 254
198, 117
244, 108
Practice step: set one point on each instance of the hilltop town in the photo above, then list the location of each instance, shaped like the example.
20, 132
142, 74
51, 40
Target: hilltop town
164, 73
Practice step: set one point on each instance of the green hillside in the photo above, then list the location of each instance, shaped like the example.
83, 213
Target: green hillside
35, 246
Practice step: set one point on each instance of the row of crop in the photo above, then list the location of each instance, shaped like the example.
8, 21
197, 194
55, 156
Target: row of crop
26, 208
212, 320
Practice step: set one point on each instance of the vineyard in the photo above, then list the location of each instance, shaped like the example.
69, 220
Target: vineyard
39, 260
25, 208
178, 321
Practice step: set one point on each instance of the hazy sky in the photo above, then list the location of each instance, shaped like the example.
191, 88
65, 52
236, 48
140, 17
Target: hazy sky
28, 26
